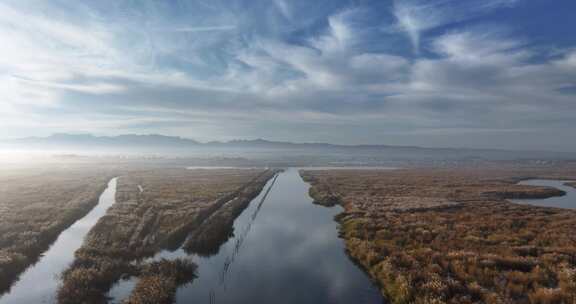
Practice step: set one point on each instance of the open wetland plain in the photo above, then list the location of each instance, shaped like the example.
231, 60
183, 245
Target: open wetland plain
170, 234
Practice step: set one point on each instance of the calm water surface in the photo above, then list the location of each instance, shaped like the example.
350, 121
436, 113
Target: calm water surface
567, 201
284, 250
38, 283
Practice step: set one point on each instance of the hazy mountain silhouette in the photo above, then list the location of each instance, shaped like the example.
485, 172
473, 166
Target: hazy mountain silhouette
127, 140
163, 143
156, 140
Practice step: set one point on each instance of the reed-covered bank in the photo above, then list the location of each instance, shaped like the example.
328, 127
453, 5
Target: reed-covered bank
450, 236
155, 210
158, 281
36, 205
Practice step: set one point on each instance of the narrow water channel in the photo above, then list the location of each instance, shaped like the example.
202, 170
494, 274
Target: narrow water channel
38, 283
567, 201
284, 250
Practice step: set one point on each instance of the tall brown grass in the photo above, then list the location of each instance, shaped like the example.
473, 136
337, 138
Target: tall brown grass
36, 205
174, 204
449, 236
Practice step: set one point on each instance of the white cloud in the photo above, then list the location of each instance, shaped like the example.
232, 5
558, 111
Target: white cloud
40, 54
284, 8
414, 17
198, 29
340, 34
475, 44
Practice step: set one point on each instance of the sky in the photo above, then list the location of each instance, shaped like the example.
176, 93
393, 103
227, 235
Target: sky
446, 73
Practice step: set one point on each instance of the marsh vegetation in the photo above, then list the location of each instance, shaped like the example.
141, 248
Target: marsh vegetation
451, 236
172, 204
424, 235
158, 281
36, 205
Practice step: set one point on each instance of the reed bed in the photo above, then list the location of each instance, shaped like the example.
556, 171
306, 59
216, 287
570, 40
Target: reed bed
159, 280
154, 210
450, 235
207, 238
36, 205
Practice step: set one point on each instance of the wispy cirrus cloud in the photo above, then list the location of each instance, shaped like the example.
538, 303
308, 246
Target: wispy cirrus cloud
214, 70
414, 17
284, 8
203, 28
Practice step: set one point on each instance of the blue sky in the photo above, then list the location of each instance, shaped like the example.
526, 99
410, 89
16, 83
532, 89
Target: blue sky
474, 73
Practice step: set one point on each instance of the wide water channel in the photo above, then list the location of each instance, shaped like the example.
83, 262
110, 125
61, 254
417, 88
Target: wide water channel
38, 284
285, 249
567, 201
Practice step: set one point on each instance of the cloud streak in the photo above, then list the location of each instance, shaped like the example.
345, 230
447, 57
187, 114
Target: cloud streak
324, 70
204, 29
414, 17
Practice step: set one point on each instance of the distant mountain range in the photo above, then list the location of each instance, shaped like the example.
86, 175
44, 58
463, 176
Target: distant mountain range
128, 140
156, 140
162, 143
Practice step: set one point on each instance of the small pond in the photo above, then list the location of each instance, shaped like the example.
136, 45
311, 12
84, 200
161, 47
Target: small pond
567, 201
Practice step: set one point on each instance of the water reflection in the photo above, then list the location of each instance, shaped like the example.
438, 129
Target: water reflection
284, 250
289, 253
567, 201
207, 239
